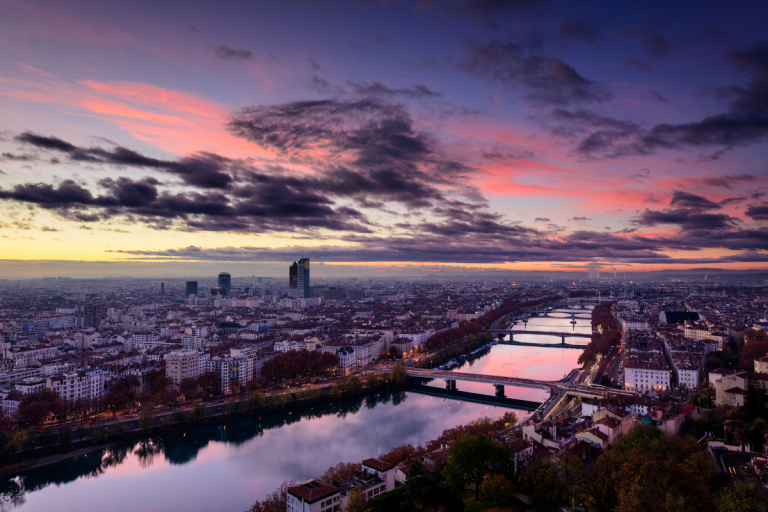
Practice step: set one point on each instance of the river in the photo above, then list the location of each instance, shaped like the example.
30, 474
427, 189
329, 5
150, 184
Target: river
227, 467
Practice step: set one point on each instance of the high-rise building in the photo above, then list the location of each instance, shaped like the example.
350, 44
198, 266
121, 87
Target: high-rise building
89, 315
225, 283
191, 288
162, 288
182, 364
293, 275
303, 277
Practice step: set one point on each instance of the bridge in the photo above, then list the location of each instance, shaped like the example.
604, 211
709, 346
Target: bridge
567, 314
499, 382
512, 403
561, 335
542, 345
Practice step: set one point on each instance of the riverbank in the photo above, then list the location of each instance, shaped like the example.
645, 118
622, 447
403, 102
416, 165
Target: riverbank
255, 405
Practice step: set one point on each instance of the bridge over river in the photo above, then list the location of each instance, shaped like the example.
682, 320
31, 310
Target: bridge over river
561, 335
501, 381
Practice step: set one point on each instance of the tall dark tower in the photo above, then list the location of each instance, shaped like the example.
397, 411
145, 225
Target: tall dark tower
293, 275
162, 288
303, 277
191, 288
225, 283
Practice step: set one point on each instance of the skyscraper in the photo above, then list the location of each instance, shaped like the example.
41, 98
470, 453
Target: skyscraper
191, 288
89, 315
293, 275
225, 283
303, 277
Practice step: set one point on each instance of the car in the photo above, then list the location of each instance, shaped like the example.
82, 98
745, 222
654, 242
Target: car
720, 448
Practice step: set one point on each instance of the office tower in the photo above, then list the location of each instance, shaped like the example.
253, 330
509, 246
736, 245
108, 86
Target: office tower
191, 288
89, 315
225, 283
303, 277
293, 275
162, 288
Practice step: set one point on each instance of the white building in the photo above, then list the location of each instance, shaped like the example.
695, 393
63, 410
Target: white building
73, 385
646, 378
182, 364
313, 496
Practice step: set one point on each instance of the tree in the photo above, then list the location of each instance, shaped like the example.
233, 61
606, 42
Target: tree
743, 496
341, 471
147, 416
399, 373
209, 381
189, 388
498, 491
429, 493
357, 501
355, 385
471, 458
393, 352
275, 502
752, 351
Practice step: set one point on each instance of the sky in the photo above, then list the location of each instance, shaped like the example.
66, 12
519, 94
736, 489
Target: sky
455, 135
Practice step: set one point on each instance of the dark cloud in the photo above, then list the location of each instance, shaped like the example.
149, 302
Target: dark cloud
655, 95
733, 200
687, 219
499, 155
17, 158
729, 181
687, 200
226, 53
541, 219
745, 123
205, 170
314, 66
267, 206
714, 156
757, 211
377, 89
579, 219
375, 139
546, 79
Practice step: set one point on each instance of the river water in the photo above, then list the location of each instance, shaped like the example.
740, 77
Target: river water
227, 467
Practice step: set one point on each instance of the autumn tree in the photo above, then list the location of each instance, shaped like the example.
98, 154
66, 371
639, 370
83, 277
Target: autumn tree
275, 502
471, 458
498, 491
357, 501
399, 373
341, 471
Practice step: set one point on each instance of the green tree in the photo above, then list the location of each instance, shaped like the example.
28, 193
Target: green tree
471, 458
357, 501
498, 491
399, 373
147, 416
355, 385
429, 493
743, 496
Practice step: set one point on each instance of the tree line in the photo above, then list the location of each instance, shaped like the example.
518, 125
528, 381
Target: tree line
606, 338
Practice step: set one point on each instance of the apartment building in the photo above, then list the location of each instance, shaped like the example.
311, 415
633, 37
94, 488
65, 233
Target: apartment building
73, 385
29, 355
182, 364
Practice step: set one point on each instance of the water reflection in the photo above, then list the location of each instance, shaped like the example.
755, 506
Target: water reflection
228, 466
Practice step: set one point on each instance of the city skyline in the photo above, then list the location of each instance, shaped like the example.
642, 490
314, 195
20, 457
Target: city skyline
383, 138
